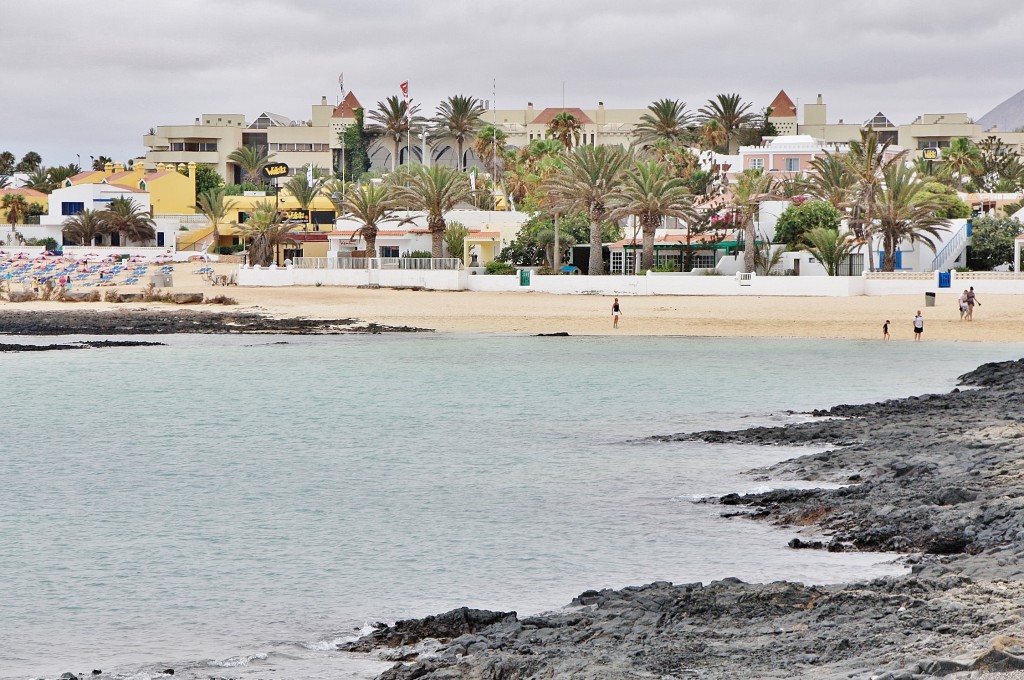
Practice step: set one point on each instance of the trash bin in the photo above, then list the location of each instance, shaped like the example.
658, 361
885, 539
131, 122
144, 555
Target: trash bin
524, 277
929, 299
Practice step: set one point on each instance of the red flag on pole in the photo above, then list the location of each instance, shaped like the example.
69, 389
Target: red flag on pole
405, 89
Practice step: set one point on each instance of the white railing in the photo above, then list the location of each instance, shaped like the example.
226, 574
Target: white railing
745, 278
899, 276
952, 250
989, 276
423, 263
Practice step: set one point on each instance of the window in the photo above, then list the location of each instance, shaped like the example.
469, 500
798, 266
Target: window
160, 239
616, 260
702, 261
792, 165
321, 216
757, 163
71, 207
389, 251
193, 146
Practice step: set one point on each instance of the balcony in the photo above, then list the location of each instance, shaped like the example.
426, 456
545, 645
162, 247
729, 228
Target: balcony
208, 157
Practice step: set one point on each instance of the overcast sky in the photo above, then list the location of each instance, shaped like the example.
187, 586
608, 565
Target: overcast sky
91, 78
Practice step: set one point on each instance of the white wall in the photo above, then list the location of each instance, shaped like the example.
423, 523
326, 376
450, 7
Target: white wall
789, 286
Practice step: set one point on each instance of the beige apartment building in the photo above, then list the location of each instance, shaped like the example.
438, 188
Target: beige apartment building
211, 138
927, 131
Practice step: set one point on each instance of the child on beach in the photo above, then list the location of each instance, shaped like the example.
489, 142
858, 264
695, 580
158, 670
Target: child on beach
616, 313
885, 331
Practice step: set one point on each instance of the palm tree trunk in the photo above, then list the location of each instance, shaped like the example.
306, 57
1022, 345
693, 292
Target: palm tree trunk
647, 256
370, 236
750, 248
889, 259
458, 161
596, 267
437, 226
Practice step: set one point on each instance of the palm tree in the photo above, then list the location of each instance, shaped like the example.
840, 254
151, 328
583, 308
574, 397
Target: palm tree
393, 118
489, 146
252, 160
830, 180
16, 208
84, 227
904, 212
565, 128
5, 181
266, 231
752, 188
39, 180
458, 117
211, 205
667, 119
126, 217
829, 247
961, 161
731, 114
371, 205
650, 194
435, 191
712, 135
590, 176
868, 159
304, 191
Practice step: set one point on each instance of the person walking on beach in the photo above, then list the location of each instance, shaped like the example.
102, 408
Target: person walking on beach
885, 331
962, 301
918, 326
616, 313
972, 300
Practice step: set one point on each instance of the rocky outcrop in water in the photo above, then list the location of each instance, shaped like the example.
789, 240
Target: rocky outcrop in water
939, 478
143, 322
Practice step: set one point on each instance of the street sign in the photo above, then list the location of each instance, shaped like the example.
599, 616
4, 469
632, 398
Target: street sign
274, 170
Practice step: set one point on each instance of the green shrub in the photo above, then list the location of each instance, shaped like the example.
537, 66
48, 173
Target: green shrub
667, 266
422, 254
496, 267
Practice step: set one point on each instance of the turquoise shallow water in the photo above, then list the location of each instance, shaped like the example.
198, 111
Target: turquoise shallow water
232, 502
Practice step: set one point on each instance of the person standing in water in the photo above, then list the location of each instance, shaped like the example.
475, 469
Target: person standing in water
918, 326
616, 313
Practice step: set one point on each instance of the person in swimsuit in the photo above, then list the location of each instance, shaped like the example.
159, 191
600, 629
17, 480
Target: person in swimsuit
616, 313
972, 300
918, 326
962, 301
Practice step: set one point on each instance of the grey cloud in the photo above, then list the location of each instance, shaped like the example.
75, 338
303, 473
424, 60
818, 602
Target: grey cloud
92, 79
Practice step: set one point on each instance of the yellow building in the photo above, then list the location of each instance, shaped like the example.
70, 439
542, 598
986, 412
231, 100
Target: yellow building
31, 196
171, 192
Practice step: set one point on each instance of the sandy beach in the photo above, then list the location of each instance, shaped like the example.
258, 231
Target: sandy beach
1000, 318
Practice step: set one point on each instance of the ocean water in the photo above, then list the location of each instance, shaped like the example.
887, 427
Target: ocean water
232, 506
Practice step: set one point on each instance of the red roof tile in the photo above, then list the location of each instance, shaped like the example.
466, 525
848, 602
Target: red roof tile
547, 115
347, 108
28, 193
783, 106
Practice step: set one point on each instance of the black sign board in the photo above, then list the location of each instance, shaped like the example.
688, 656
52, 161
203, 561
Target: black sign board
295, 215
272, 170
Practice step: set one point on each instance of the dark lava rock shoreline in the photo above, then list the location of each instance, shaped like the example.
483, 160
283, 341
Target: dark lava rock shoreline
939, 478
147, 322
